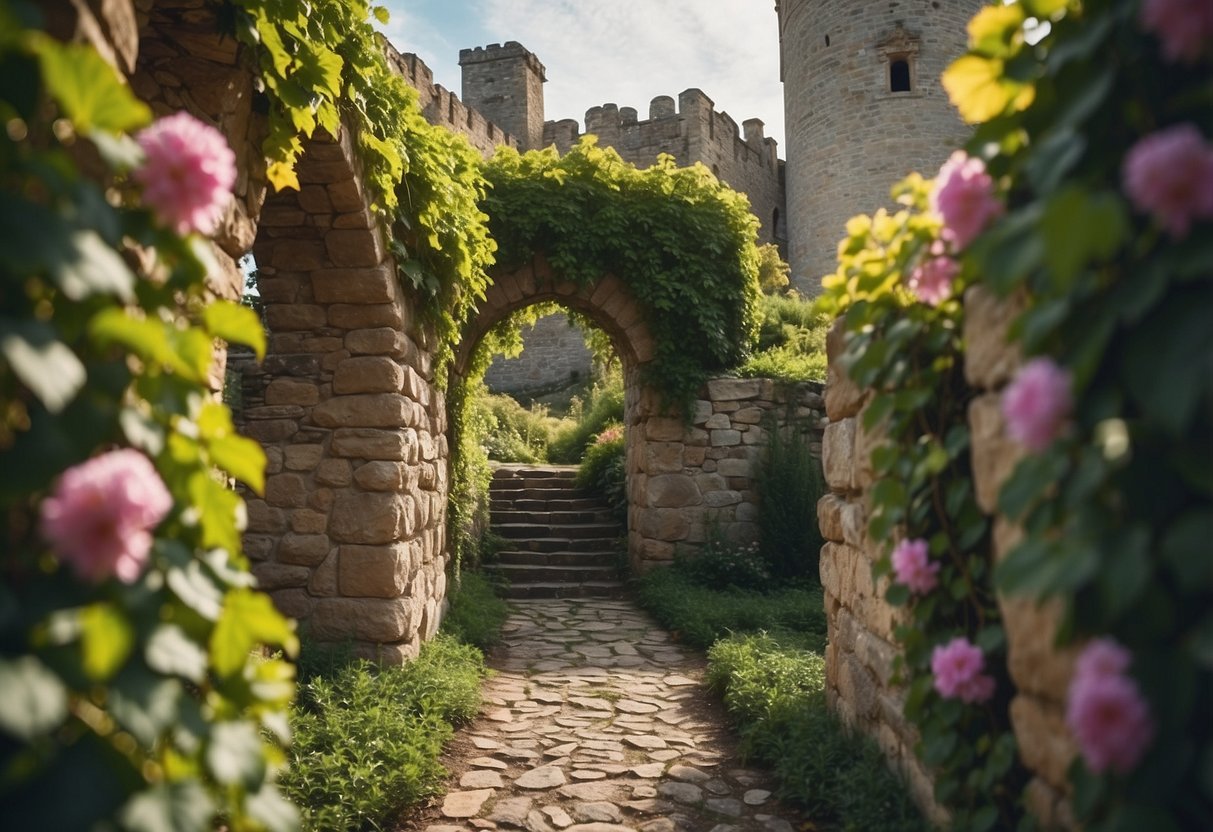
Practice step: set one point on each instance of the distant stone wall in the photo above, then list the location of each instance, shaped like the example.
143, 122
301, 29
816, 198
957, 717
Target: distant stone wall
861, 648
688, 481
555, 356
694, 132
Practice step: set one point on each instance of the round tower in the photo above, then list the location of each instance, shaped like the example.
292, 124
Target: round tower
863, 107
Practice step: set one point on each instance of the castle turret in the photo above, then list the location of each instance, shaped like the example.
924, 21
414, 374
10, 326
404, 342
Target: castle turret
505, 83
863, 107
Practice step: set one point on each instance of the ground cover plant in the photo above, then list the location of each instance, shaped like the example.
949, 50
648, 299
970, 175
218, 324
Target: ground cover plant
765, 643
476, 613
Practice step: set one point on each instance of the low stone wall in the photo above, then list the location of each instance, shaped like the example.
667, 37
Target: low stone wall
555, 356
686, 481
861, 649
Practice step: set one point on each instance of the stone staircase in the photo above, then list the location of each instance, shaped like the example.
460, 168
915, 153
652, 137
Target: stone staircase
560, 541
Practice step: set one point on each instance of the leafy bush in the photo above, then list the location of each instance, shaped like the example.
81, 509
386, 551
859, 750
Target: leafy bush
367, 738
604, 470
774, 689
699, 616
791, 341
790, 482
722, 565
605, 407
476, 613
514, 433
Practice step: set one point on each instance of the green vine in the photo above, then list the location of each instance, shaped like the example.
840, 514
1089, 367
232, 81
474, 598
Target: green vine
682, 242
910, 355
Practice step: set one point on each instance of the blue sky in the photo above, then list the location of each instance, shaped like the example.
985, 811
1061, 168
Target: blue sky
621, 51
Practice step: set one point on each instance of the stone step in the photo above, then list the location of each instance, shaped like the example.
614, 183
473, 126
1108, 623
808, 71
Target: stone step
524, 471
552, 519
561, 503
523, 574
572, 531
593, 589
537, 492
585, 545
517, 557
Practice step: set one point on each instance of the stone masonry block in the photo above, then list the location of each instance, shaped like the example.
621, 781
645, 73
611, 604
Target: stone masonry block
373, 571
843, 396
838, 454
367, 518
365, 619
361, 286
1045, 745
995, 455
990, 360
368, 374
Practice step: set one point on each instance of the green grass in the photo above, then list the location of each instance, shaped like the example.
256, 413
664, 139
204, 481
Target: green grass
775, 690
700, 615
764, 659
476, 613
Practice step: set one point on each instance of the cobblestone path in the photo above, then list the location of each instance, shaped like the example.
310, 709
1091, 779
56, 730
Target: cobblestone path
597, 722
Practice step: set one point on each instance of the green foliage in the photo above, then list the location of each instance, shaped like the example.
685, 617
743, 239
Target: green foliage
367, 738
604, 471
790, 482
722, 565
700, 615
682, 242
515, 433
1117, 512
476, 613
774, 690
910, 354
604, 408
146, 697
773, 270
791, 341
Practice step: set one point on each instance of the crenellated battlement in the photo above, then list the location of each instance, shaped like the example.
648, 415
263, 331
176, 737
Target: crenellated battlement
512, 50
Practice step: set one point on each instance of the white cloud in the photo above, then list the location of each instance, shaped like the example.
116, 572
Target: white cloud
621, 51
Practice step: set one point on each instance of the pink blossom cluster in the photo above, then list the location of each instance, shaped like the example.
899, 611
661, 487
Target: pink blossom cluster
913, 567
100, 516
957, 667
1106, 712
609, 434
187, 174
964, 199
1037, 403
1184, 27
931, 282
1169, 175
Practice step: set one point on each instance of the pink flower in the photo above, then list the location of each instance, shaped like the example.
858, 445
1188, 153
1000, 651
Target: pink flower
963, 197
913, 568
100, 516
1037, 403
957, 667
1106, 712
188, 174
1185, 27
609, 435
1169, 174
931, 282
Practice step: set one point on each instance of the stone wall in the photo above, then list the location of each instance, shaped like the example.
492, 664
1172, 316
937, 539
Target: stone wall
686, 482
694, 132
506, 84
849, 138
861, 647
555, 356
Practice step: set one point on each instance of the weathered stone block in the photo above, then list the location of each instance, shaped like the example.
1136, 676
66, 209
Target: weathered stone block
294, 602
663, 524
663, 457
1045, 745
286, 491
381, 475
307, 521
323, 583
378, 341
264, 518
725, 438
990, 360
664, 429
374, 571
367, 518
838, 454
673, 490
375, 410
302, 457
994, 454
733, 389
829, 517
281, 317
364, 619
285, 391
718, 421
368, 316
303, 549
365, 443
368, 374
843, 397
735, 468
365, 286
335, 472
271, 576
1035, 664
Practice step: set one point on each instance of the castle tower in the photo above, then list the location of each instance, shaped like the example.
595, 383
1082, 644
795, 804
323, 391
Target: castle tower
863, 107
505, 83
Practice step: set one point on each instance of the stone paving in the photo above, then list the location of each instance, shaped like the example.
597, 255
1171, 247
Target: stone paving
596, 721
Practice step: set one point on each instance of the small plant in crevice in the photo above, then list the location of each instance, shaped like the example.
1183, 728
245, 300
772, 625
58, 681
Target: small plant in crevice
790, 482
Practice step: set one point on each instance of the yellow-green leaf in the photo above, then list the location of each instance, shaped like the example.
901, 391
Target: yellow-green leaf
88, 89
282, 175
978, 89
242, 458
381, 14
217, 506
106, 640
235, 323
995, 31
248, 619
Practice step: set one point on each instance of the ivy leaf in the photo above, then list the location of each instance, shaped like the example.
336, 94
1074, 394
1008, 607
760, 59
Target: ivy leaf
272, 810
234, 755
87, 88
32, 699
239, 456
235, 323
42, 362
1080, 228
248, 619
183, 806
155, 341
994, 31
196, 589
171, 652
218, 508
106, 639
980, 90
381, 14
88, 266
281, 175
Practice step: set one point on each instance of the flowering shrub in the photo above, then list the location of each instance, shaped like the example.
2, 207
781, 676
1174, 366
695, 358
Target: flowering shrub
1095, 127
130, 695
